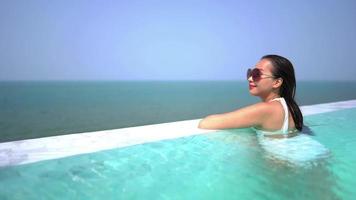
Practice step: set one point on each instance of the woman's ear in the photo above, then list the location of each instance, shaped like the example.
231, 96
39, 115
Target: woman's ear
278, 83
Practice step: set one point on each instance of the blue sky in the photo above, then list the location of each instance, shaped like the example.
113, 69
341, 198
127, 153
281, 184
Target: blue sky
174, 40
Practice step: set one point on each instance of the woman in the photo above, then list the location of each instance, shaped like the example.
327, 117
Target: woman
278, 115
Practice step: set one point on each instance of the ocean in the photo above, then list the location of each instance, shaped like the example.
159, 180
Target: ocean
32, 109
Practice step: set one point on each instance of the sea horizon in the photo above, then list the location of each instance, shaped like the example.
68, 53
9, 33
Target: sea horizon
40, 108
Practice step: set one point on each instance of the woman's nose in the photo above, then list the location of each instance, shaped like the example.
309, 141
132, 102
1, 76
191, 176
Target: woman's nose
250, 79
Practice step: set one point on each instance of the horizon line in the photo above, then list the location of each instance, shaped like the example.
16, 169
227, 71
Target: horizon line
158, 80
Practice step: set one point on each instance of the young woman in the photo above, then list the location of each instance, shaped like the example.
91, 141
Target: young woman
278, 115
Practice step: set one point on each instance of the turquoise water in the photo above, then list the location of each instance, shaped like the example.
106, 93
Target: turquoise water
38, 109
229, 164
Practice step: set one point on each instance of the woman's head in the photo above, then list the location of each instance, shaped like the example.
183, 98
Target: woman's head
262, 81
274, 76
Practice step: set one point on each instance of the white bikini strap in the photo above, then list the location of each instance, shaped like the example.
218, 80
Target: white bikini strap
286, 115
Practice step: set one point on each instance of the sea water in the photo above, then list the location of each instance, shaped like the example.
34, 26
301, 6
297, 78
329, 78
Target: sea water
31, 109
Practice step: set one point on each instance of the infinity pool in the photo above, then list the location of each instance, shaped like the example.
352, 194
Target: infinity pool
229, 164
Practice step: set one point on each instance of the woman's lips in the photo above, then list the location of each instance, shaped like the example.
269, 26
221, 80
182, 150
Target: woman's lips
251, 86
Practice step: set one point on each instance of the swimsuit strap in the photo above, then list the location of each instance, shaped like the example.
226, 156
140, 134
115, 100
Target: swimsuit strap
286, 115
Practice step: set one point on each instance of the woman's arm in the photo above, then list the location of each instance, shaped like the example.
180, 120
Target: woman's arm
253, 115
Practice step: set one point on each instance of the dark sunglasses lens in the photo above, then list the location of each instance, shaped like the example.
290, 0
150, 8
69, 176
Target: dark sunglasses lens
256, 74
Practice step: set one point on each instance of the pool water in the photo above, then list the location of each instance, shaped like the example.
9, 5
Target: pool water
228, 164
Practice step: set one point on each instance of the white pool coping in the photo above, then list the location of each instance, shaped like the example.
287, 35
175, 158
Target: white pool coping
34, 150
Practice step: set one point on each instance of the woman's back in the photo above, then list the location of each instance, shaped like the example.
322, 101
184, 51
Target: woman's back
277, 124
276, 120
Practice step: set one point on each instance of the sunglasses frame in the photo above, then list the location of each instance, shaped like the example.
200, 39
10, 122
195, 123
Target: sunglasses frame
257, 74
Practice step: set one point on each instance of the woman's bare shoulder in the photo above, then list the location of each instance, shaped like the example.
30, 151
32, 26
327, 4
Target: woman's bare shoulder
263, 107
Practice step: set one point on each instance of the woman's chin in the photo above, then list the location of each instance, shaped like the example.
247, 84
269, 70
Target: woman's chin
253, 93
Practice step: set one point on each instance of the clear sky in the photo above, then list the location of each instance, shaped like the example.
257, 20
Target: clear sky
174, 40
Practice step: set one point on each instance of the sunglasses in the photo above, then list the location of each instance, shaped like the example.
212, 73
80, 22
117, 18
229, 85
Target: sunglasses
256, 74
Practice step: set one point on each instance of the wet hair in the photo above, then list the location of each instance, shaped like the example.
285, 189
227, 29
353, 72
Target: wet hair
283, 68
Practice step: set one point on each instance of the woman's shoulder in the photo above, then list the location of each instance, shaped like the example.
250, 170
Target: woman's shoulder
266, 107
267, 110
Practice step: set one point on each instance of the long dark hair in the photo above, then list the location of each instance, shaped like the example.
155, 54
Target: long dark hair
283, 68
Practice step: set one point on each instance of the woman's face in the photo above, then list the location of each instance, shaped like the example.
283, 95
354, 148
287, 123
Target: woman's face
265, 85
